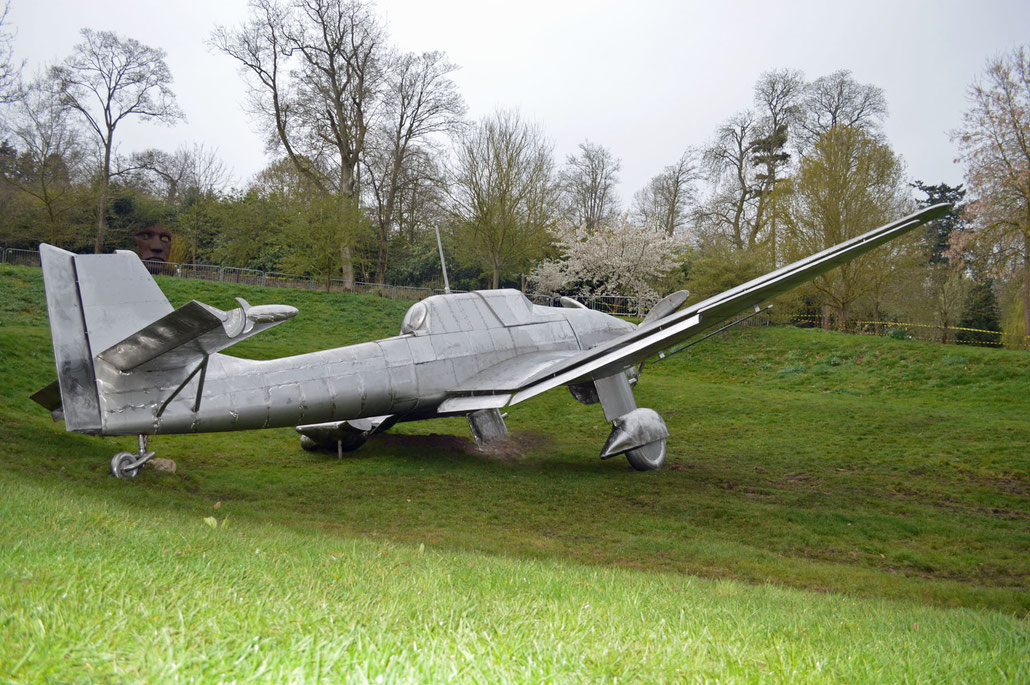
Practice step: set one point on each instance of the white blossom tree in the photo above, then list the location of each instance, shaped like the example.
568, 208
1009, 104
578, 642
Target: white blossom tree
615, 258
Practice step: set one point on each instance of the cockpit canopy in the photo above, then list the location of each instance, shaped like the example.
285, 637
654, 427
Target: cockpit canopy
416, 320
474, 311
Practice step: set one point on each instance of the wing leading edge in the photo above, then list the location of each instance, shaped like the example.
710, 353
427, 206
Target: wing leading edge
653, 337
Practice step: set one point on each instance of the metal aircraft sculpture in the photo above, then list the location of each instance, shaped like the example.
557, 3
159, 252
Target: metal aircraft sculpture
128, 364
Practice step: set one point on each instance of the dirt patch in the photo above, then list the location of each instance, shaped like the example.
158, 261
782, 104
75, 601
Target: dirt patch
511, 449
1011, 483
502, 450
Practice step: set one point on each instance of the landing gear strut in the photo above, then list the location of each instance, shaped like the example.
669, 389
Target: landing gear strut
127, 464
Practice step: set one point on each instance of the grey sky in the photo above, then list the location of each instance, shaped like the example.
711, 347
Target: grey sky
645, 78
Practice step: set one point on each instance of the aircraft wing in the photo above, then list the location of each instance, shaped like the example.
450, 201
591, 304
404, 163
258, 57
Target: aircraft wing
513, 386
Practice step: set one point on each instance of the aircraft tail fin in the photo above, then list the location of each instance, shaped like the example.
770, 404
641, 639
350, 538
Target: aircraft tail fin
93, 301
107, 309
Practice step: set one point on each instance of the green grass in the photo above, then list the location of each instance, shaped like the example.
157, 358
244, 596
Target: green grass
95, 589
834, 507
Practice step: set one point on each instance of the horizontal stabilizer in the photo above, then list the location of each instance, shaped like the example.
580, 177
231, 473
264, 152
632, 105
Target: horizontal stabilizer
192, 331
50, 399
186, 323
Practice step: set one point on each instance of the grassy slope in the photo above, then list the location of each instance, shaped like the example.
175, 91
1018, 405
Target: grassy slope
888, 470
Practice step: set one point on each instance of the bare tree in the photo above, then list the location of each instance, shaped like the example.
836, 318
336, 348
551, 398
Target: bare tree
420, 197
839, 100
778, 97
158, 172
52, 156
106, 79
420, 101
502, 194
205, 179
730, 211
995, 144
171, 174
317, 68
588, 183
10, 69
663, 203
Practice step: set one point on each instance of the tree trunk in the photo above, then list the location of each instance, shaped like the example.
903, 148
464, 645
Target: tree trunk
842, 312
105, 180
347, 184
383, 255
347, 268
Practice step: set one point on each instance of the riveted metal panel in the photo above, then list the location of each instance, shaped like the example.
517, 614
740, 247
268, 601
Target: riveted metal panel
119, 297
420, 349
72, 354
285, 404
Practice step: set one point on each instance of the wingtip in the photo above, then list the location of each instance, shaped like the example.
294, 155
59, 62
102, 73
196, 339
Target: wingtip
934, 212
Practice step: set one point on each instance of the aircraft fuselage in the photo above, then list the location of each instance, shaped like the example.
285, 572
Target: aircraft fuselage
446, 341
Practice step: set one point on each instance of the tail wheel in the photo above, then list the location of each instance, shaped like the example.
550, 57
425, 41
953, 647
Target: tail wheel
650, 457
121, 464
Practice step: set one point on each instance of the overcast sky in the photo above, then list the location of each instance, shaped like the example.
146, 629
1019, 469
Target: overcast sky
644, 78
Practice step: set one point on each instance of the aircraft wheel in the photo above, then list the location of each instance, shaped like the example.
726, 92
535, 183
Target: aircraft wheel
650, 457
120, 465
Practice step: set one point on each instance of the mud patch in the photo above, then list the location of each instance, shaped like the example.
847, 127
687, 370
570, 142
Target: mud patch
509, 450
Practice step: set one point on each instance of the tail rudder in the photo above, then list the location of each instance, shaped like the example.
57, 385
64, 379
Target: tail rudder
93, 301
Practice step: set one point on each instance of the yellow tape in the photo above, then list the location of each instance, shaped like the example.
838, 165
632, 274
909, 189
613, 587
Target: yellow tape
928, 325
816, 317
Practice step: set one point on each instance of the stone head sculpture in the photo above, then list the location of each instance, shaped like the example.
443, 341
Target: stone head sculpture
154, 243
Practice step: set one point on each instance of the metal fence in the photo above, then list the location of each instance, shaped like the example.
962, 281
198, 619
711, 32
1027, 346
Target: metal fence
396, 292
21, 257
232, 274
611, 304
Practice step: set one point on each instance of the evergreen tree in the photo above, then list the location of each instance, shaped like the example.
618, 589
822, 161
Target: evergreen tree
981, 314
939, 231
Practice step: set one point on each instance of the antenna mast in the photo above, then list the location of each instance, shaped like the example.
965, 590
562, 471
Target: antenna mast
443, 264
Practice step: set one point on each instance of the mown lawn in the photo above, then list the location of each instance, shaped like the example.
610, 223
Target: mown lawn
844, 507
